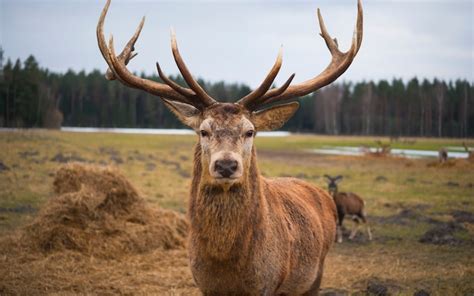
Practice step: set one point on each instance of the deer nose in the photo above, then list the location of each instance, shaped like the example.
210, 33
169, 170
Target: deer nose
226, 167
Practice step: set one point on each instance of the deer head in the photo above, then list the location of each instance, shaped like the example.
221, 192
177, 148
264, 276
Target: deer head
332, 183
226, 130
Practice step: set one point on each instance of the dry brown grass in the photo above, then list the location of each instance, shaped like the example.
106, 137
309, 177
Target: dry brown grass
98, 236
391, 264
95, 235
389, 185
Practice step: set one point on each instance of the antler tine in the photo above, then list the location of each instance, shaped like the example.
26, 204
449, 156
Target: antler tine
339, 63
359, 31
118, 70
152, 87
265, 85
284, 86
330, 42
188, 93
127, 53
206, 99
110, 75
182, 90
277, 91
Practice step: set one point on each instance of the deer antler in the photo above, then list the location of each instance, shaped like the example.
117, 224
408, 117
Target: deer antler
339, 63
187, 74
126, 55
253, 97
195, 96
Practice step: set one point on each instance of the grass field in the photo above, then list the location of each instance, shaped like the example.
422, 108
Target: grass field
406, 199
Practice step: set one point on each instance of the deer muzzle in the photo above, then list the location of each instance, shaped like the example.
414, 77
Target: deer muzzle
226, 166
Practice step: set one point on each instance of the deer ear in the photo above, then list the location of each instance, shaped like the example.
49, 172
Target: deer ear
187, 114
338, 179
274, 117
328, 178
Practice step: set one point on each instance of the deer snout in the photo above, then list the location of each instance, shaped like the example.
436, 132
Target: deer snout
332, 190
226, 167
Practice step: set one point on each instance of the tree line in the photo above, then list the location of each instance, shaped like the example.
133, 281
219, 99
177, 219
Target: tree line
31, 96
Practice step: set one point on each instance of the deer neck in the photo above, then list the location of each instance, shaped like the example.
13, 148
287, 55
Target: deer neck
224, 220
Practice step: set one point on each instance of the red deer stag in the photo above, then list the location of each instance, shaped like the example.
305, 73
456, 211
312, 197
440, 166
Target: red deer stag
347, 204
249, 234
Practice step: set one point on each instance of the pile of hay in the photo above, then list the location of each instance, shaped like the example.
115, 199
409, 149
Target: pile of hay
96, 235
98, 212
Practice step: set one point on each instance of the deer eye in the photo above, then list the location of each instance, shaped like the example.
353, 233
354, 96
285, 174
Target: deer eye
204, 133
249, 134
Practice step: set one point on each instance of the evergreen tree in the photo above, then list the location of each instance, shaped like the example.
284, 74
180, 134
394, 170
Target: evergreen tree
34, 97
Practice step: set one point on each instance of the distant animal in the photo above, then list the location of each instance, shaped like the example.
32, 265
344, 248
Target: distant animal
442, 155
249, 235
382, 149
347, 204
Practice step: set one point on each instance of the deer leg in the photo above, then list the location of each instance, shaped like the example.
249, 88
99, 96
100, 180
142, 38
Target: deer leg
364, 219
339, 233
339, 227
354, 229
369, 233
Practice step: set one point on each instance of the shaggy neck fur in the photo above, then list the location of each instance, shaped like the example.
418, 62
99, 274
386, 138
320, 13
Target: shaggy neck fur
225, 221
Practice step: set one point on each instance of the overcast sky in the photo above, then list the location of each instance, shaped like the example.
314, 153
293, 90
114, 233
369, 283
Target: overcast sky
237, 41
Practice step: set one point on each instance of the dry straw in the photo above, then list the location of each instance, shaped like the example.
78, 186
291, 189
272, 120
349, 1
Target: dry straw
96, 235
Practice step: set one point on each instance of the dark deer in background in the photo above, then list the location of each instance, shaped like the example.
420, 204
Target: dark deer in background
442, 155
347, 204
249, 235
